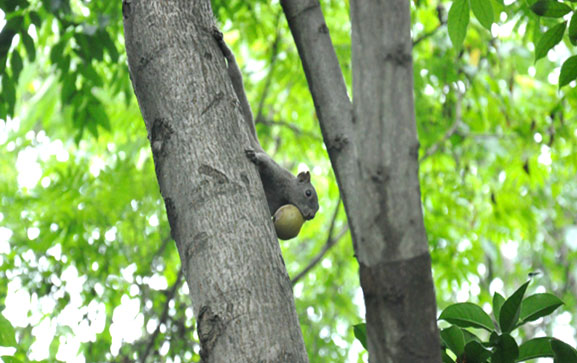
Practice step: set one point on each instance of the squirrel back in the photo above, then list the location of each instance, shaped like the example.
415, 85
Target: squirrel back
280, 185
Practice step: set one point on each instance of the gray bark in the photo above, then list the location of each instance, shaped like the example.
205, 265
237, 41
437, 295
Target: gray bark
373, 148
240, 290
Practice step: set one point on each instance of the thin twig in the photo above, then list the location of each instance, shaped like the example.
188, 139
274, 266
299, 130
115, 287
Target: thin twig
161, 249
164, 316
480, 135
442, 16
331, 241
268, 81
458, 117
291, 126
426, 35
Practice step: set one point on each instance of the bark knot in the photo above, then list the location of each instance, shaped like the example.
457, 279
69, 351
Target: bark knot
199, 242
160, 133
218, 176
338, 143
215, 101
398, 54
210, 327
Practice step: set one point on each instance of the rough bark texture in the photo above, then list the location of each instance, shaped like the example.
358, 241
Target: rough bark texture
241, 293
374, 152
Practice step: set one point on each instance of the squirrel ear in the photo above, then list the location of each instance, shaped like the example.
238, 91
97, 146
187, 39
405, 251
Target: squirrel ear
304, 176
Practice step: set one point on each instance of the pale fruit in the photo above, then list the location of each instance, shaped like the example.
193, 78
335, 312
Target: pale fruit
288, 221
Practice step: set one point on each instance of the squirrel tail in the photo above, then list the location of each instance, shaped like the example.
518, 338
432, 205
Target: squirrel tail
237, 84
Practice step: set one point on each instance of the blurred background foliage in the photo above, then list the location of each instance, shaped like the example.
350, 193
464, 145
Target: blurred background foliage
88, 271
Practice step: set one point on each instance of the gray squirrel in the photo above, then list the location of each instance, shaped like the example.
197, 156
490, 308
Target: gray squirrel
281, 187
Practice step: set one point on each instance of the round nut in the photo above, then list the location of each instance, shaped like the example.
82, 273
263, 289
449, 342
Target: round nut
288, 221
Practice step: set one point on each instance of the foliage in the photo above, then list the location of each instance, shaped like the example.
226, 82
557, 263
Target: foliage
81, 46
83, 232
7, 338
500, 346
458, 22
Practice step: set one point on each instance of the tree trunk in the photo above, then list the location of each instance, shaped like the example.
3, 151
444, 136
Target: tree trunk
241, 294
374, 152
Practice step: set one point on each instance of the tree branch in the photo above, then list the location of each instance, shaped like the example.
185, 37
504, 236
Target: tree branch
268, 81
160, 249
331, 241
327, 86
426, 35
164, 316
297, 130
442, 16
322, 70
458, 118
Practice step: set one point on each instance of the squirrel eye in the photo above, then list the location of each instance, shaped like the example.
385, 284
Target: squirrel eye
308, 193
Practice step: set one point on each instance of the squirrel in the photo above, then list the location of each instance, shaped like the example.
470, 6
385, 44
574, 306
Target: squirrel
281, 187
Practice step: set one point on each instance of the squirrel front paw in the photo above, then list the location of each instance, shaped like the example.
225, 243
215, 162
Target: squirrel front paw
250, 154
257, 157
216, 33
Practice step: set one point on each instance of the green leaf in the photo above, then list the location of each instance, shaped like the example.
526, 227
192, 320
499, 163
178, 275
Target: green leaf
506, 350
573, 29
68, 87
568, 71
8, 93
535, 306
90, 73
28, 45
6, 36
535, 348
454, 340
108, 44
7, 335
493, 339
475, 352
511, 309
88, 48
467, 315
563, 352
54, 346
550, 8
550, 39
57, 52
3, 111
35, 19
458, 21
10, 29
6, 359
470, 336
446, 358
2, 64
98, 115
360, 331
483, 11
498, 301
16, 64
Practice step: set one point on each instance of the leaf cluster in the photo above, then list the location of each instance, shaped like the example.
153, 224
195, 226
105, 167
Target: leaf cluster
79, 47
508, 315
459, 18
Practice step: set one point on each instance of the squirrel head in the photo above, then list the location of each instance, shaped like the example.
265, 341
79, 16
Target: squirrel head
306, 196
